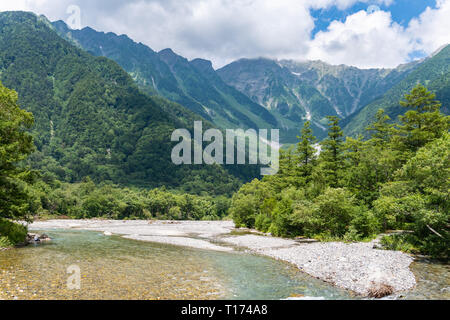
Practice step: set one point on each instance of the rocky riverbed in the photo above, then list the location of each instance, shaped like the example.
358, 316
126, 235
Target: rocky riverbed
358, 267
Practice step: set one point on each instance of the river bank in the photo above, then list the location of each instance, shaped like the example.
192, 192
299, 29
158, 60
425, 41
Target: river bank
357, 266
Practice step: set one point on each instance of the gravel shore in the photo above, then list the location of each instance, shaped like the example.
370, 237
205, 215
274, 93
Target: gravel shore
357, 266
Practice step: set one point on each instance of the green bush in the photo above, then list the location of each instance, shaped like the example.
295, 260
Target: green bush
249, 202
5, 243
332, 213
11, 233
402, 242
281, 221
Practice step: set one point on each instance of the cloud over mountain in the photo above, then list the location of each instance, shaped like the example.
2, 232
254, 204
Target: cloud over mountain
226, 30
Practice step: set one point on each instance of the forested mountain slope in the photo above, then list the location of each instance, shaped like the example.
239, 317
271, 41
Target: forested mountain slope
90, 117
194, 84
299, 91
434, 73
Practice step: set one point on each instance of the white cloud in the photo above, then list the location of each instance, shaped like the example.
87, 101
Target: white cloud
17, 5
373, 40
432, 29
50, 8
225, 30
220, 30
344, 4
363, 40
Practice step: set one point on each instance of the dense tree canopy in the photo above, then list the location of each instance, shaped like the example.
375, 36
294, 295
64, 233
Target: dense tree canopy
92, 120
399, 178
15, 145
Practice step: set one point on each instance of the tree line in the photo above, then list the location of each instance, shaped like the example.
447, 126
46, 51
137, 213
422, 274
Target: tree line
344, 188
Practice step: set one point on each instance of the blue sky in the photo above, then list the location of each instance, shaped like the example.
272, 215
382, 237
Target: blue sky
402, 12
352, 32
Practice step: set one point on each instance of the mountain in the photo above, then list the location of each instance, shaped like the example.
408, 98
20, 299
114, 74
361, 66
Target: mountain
261, 93
91, 119
194, 84
433, 72
298, 91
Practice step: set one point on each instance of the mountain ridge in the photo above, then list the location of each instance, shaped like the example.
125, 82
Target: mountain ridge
433, 72
174, 77
91, 119
291, 92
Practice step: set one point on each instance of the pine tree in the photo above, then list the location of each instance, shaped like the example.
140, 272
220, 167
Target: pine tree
381, 129
422, 123
331, 155
306, 153
286, 173
15, 145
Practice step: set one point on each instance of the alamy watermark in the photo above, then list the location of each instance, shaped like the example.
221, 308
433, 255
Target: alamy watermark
260, 150
74, 280
74, 19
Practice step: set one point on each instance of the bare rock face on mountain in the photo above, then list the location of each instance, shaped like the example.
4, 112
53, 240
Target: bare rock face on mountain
258, 93
311, 90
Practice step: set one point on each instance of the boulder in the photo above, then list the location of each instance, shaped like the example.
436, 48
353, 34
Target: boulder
36, 238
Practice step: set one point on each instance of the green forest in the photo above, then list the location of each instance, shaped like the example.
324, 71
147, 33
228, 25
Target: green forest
91, 119
79, 139
26, 194
398, 179
354, 189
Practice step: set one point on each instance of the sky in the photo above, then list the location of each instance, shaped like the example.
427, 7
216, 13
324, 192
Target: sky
362, 33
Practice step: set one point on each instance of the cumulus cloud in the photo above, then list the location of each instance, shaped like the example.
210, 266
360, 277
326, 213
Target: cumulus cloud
431, 30
344, 4
373, 40
219, 30
225, 30
366, 40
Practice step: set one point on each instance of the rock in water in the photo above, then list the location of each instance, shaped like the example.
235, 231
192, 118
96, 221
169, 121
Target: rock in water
35, 238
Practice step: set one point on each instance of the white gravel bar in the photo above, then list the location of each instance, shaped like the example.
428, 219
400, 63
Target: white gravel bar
254, 242
181, 241
356, 266
205, 229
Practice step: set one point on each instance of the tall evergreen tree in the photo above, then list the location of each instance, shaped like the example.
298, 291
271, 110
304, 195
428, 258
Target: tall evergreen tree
381, 129
331, 154
422, 123
15, 145
306, 153
286, 174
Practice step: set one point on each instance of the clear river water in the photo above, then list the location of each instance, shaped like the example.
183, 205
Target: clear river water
118, 268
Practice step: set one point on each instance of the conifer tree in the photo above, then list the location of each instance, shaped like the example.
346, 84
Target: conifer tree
422, 123
306, 153
380, 129
331, 153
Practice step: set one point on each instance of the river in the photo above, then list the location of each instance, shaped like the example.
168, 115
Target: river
118, 268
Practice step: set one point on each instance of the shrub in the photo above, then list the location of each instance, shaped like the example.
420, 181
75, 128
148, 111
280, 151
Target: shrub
401, 242
281, 218
248, 202
364, 224
332, 212
11, 233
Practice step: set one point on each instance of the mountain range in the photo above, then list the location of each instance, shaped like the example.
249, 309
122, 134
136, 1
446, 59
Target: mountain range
91, 119
262, 93
105, 106
194, 84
